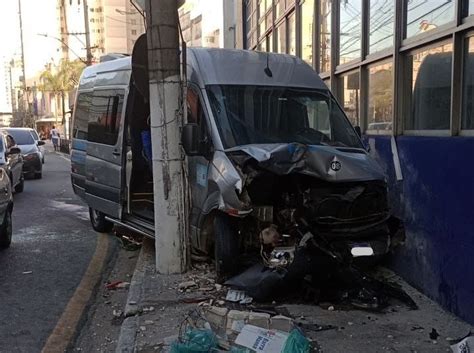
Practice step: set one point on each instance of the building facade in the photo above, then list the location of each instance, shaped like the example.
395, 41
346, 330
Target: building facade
114, 26
6, 90
404, 72
208, 23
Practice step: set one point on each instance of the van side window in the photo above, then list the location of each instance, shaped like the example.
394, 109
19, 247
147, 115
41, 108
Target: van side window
196, 115
194, 106
81, 115
105, 116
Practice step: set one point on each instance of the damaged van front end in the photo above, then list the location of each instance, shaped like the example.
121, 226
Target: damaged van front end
276, 168
288, 194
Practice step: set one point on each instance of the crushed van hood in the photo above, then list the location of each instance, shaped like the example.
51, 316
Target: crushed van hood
335, 164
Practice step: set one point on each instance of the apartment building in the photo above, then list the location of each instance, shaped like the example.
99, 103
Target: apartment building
5, 91
114, 26
208, 23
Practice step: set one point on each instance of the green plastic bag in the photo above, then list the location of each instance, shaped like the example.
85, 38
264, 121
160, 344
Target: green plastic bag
234, 349
296, 343
195, 341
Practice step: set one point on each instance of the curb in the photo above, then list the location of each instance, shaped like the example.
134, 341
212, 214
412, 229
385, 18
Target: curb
128, 331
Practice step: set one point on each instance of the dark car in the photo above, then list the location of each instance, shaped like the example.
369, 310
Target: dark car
11, 161
32, 165
6, 208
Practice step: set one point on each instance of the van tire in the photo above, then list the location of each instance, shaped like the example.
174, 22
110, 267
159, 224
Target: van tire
98, 221
226, 246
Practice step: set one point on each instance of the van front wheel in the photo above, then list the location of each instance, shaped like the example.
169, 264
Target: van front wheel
98, 221
226, 245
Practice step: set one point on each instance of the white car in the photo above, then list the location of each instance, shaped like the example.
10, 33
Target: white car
36, 137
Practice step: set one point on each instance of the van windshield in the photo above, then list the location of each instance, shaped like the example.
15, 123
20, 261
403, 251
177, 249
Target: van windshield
264, 114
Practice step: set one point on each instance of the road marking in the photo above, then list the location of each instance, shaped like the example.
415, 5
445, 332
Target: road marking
66, 327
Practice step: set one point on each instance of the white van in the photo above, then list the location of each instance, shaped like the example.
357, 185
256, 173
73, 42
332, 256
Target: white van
269, 152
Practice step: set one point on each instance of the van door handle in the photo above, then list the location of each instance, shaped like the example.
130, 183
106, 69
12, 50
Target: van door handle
116, 153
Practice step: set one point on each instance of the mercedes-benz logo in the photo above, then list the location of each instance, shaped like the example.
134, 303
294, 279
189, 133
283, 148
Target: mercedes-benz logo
336, 165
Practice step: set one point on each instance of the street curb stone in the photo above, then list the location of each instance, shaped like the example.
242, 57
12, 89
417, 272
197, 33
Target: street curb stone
128, 331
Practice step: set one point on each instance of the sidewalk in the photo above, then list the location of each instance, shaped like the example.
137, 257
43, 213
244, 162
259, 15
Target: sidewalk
156, 310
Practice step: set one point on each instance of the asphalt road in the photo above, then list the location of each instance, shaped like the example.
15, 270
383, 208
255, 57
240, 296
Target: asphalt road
52, 246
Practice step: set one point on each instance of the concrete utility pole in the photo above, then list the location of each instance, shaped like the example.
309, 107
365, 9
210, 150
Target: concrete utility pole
87, 33
25, 93
166, 118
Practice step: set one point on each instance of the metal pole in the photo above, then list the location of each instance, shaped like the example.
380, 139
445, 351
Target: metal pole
166, 118
87, 33
27, 110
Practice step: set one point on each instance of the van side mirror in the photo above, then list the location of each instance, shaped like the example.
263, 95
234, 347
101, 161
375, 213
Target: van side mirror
358, 130
190, 139
41, 143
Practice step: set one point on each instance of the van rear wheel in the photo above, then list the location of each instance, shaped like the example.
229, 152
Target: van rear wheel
98, 221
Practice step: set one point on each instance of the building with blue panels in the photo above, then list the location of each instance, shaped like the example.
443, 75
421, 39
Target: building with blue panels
404, 72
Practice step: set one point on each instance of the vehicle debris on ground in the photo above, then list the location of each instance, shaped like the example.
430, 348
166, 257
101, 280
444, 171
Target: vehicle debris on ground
219, 329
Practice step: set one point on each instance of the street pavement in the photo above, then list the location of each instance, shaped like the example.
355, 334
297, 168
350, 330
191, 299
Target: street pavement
53, 244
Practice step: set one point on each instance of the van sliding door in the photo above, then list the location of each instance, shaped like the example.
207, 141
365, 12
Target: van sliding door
104, 159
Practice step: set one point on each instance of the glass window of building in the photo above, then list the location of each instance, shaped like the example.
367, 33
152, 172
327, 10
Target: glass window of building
281, 38
430, 85
270, 42
351, 30
382, 16
307, 22
262, 27
292, 34
424, 16
380, 114
269, 4
351, 97
261, 8
471, 7
279, 7
251, 23
468, 89
262, 46
325, 33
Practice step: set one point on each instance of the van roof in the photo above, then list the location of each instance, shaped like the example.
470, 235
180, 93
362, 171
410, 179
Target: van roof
211, 66
246, 67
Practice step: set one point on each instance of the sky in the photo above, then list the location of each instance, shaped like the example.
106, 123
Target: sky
39, 16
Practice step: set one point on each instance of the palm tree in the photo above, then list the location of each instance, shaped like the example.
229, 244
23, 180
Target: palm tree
61, 81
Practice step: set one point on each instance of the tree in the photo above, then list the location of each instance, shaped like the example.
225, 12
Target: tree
61, 81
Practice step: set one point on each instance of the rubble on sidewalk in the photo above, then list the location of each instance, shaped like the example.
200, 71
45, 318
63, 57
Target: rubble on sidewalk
464, 345
216, 329
128, 240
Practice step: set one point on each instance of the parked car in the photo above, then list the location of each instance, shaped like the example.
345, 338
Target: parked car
32, 165
6, 208
37, 138
11, 161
